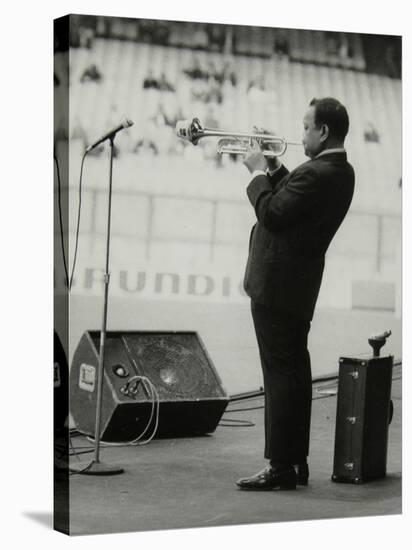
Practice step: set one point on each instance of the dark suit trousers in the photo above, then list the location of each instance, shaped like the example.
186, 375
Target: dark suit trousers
285, 360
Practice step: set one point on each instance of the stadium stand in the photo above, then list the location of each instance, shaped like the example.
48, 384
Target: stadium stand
275, 73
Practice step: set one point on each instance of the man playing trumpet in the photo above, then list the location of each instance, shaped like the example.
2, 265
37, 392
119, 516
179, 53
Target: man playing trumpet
298, 213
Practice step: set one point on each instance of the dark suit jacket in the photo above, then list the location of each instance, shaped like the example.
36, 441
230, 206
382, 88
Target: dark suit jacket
298, 213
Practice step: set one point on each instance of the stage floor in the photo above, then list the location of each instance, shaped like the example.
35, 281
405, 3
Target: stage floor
190, 482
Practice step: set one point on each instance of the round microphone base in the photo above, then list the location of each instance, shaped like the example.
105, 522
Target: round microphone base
96, 469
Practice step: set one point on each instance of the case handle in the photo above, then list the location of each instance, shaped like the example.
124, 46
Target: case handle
377, 341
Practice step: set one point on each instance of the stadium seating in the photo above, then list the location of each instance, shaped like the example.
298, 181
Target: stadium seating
288, 88
153, 184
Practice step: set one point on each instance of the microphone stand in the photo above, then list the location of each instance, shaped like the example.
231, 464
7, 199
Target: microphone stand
96, 467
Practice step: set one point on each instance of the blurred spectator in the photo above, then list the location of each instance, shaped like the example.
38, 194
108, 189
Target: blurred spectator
199, 37
86, 37
150, 81
74, 36
158, 132
226, 72
153, 31
256, 90
207, 85
164, 124
345, 52
82, 31
229, 73
146, 145
197, 70
338, 49
161, 118
214, 93
343, 47
161, 84
91, 74
216, 37
332, 44
393, 61
199, 91
101, 26
166, 119
164, 85
145, 30
207, 92
147, 142
281, 45
370, 133
212, 71
161, 33
56, 80
228, 90
130, 30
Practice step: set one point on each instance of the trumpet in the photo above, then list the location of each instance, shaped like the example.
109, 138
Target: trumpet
235, 143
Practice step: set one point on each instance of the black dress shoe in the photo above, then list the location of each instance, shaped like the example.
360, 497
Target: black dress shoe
270, 479
302, 473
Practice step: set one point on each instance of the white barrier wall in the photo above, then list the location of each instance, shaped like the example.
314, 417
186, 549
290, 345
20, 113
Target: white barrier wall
180, 232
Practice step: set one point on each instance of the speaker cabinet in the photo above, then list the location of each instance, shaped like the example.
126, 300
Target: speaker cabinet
362, 418
192, 399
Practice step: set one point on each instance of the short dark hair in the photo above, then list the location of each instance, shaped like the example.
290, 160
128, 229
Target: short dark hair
331, 112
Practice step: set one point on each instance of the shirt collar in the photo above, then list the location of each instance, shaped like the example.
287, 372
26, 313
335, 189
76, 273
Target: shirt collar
271, 172
328, 151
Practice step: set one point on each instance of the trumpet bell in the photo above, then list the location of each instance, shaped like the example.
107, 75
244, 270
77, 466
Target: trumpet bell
272, 147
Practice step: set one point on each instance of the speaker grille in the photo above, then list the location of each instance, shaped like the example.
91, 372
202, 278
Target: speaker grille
174, 363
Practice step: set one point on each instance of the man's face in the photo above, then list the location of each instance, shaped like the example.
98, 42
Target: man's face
313, 137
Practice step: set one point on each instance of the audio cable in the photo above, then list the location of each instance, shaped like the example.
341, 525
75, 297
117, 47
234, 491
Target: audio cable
154, 416
78, 221
69, 280
59, 202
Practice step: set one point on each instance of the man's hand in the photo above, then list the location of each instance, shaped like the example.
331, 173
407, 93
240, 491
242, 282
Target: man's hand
254, 159
273, 163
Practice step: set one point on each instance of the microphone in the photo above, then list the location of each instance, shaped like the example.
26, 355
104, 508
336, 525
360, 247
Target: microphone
126, 123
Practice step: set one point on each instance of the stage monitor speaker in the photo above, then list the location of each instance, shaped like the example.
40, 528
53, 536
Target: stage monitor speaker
363, 414
192, 399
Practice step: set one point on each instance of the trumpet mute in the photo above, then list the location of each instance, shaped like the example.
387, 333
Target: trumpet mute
189, 130
183, 129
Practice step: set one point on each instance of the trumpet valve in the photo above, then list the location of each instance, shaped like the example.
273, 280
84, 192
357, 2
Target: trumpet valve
273, 147
233, 146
